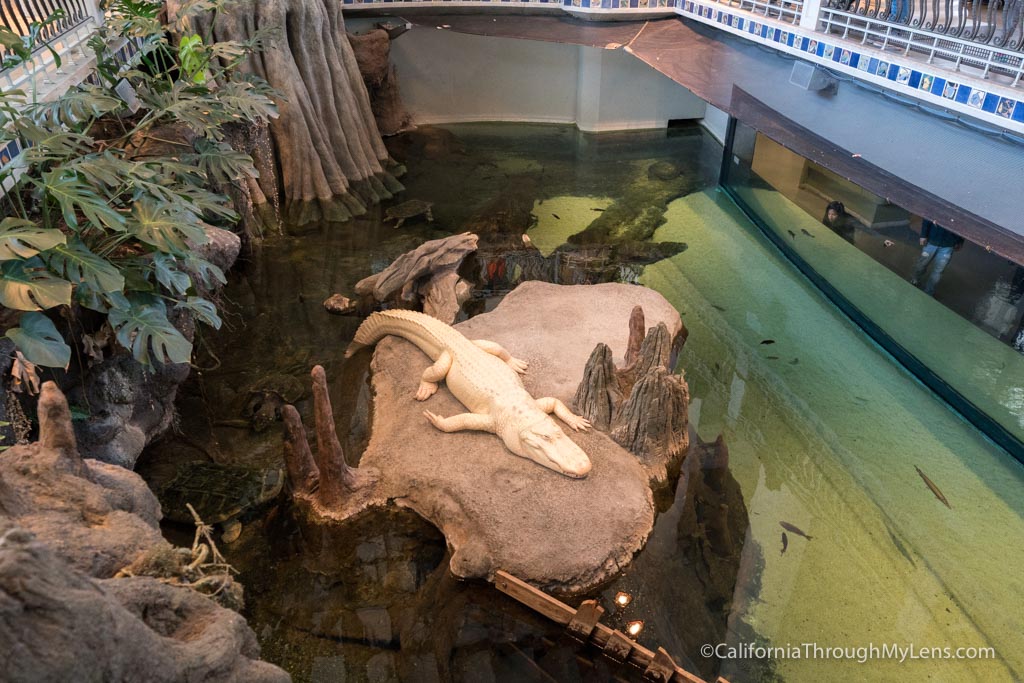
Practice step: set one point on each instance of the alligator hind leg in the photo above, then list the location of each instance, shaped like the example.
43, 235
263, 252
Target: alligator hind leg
553, 405
462, 422
432, 375
496, 349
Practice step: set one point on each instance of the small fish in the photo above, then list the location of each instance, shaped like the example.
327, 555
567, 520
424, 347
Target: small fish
767, 341
795, 529
596, 209
807, 233
785, 543
933, 487
791, 234
557, 217
716, 306
772, 357
794, 361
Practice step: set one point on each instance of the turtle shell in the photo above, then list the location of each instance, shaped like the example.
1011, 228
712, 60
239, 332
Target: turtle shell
217, 492
413, 207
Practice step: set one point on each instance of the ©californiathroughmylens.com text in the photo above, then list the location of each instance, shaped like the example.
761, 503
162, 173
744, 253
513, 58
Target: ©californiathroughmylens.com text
858, 653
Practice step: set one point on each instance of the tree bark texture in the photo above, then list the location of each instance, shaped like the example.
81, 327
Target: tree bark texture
331, 159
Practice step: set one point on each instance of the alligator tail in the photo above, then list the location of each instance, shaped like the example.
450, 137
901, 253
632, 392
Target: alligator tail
406, 324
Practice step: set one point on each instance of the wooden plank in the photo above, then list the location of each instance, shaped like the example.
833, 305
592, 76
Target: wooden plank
585, 620
533, 598
602, 635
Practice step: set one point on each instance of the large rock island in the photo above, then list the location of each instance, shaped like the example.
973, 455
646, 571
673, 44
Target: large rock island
497, 510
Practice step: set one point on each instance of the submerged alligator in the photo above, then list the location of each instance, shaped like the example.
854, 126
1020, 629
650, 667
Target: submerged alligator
485, 378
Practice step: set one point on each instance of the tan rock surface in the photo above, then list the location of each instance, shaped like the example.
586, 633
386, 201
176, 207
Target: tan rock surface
497, 510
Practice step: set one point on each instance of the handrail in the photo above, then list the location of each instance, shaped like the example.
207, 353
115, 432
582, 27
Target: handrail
999, 23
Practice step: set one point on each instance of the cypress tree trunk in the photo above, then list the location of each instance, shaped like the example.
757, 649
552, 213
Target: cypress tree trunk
331, 160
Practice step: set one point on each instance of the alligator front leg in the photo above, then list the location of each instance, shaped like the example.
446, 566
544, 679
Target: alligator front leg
553, 405
459, 423
496, 349
432, 375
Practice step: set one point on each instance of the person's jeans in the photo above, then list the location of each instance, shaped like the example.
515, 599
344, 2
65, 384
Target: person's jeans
930, 253
899, 10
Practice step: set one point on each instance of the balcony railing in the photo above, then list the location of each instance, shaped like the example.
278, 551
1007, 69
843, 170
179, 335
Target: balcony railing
986, 22
987, 40
19, 15
783, 10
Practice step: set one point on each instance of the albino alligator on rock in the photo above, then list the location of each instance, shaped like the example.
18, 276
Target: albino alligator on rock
485, 378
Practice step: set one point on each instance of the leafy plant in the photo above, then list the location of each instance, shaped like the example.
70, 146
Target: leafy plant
99, 221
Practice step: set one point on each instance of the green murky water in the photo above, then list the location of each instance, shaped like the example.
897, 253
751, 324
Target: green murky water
824, 433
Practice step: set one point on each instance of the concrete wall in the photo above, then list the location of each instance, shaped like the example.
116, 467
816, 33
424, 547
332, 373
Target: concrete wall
447, 77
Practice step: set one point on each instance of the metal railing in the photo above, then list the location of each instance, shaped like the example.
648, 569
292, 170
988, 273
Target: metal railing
996, 23
941, 47
19, 15
782, 10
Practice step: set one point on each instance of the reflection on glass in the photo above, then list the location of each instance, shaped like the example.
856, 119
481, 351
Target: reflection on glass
949, 303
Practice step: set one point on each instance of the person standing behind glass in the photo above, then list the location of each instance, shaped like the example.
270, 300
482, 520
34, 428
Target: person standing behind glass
939, 245
838, 221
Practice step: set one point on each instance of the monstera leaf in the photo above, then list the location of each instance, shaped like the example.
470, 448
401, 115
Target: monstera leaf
208, 274
221, 163
79, 265
29, 286
167, 274
144, 329
161, 225
21, 239
203, 310
40, 342
74, 195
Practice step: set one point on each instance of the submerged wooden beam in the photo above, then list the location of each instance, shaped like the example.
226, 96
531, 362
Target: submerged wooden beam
656, 666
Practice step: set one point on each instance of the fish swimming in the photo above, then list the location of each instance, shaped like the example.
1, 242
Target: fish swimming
557, 217
767, 341
807, 233
785, 543
772, 357
795, 529
596, 209
791, 234
935, 489
716, 306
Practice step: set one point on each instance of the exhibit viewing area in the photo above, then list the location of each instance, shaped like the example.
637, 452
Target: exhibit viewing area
503, 341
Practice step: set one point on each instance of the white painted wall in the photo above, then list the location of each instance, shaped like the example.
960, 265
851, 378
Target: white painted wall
716, 122
447, 77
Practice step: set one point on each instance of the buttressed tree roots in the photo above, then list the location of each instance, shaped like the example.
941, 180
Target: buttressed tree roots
332, 161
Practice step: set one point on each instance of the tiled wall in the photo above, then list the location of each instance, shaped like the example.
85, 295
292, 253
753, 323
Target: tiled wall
998, 105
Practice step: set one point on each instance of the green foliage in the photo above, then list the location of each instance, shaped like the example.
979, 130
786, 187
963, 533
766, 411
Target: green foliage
40, 342
98, 221
144, 328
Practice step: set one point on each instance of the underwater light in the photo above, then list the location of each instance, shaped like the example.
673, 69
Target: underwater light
633, 628
623, 599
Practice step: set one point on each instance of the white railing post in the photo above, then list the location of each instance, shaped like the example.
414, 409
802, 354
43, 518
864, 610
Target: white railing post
809, 15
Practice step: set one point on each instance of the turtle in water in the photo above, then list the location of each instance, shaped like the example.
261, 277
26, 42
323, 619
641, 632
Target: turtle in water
268, 395
220, 494
410, 209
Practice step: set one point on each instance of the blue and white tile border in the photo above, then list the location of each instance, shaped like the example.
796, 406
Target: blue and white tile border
977, 98
997, 105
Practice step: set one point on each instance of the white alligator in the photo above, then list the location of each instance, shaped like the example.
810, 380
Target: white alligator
485, 378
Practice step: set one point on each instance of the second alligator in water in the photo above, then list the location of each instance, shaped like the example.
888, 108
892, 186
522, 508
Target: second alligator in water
485, 378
